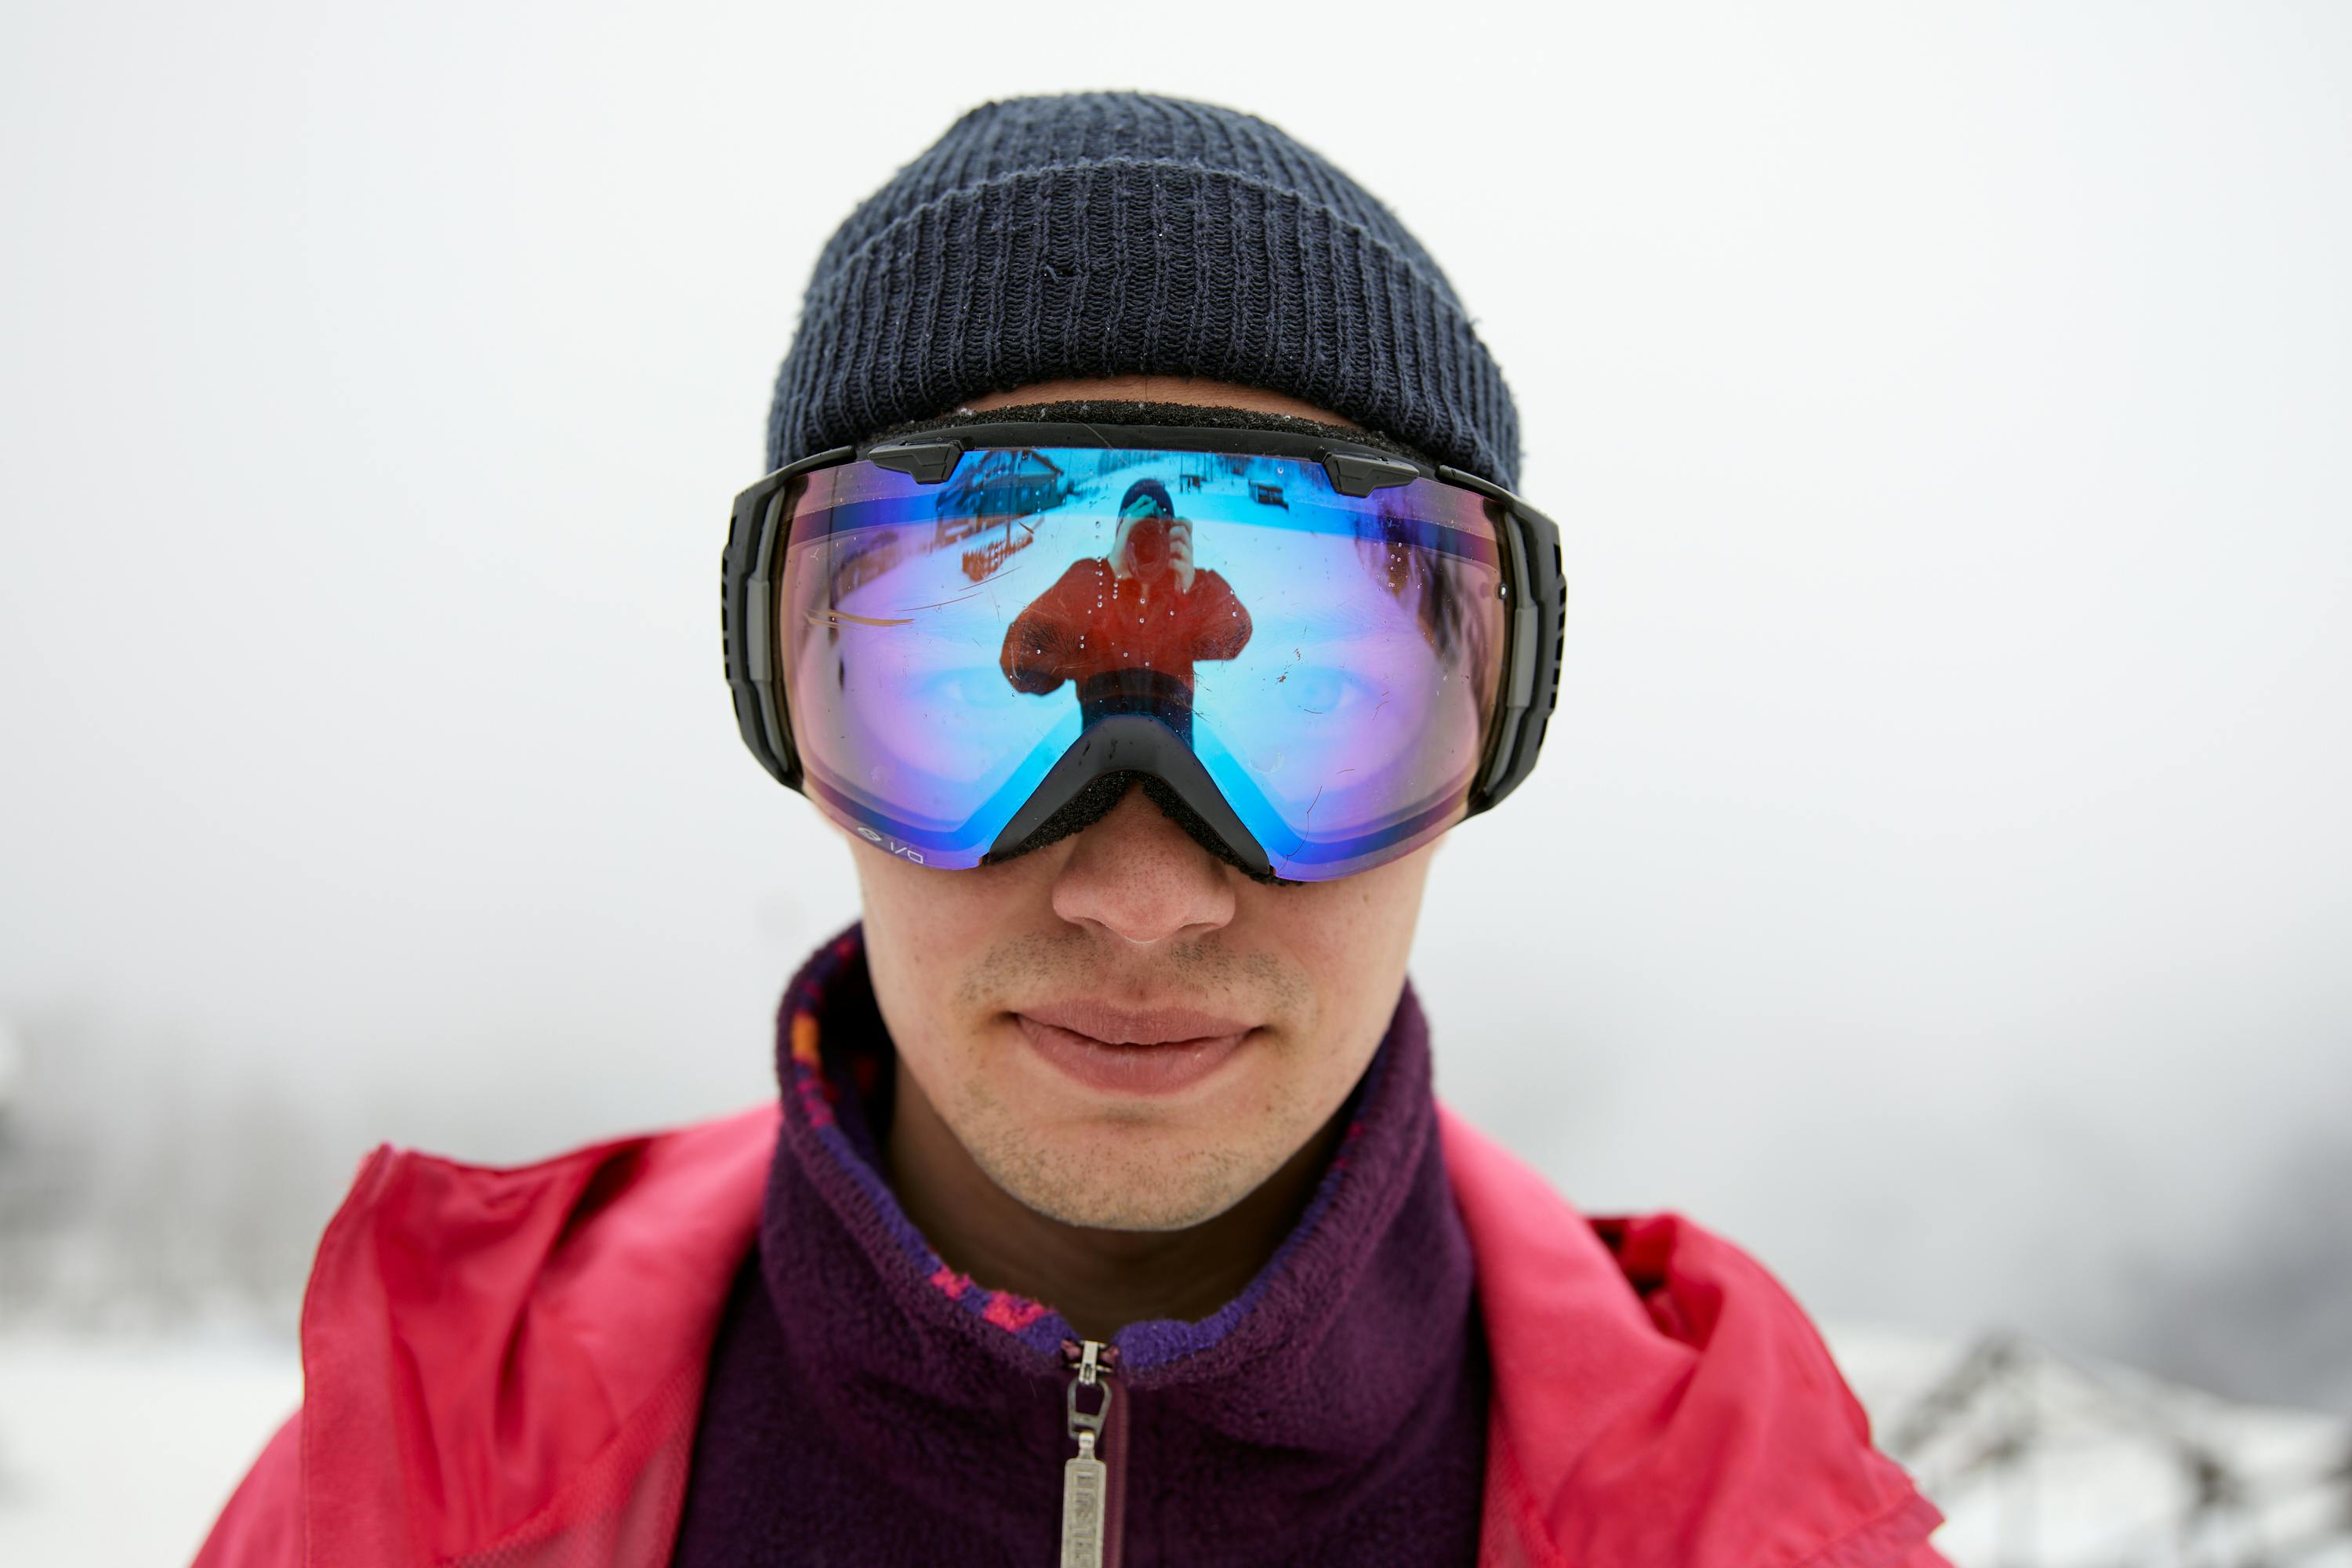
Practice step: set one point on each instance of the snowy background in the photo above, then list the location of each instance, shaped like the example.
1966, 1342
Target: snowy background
1939, 877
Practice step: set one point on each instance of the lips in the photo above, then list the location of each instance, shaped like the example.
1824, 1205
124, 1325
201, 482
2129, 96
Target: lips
1119, 1051
1121, 1026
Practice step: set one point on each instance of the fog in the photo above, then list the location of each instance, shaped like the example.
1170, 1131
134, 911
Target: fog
1939, 876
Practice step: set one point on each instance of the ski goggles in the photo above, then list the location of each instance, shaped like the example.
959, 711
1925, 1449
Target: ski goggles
1326, 655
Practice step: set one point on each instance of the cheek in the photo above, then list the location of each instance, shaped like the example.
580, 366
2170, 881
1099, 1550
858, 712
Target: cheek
1354, 935
1351, 940
924, 928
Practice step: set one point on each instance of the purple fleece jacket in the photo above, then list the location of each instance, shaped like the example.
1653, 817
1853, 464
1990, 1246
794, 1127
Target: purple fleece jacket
868, 1405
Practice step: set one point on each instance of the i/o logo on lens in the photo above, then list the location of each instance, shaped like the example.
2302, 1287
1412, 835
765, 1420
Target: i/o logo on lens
906, 852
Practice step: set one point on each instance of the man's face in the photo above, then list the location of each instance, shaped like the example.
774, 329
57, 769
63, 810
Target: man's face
1102, 930
999, 985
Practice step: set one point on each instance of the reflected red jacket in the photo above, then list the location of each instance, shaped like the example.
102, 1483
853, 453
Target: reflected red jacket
503, 1368
1107, 633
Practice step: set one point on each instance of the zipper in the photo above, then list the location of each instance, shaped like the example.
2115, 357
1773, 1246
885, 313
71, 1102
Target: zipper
1094, 1489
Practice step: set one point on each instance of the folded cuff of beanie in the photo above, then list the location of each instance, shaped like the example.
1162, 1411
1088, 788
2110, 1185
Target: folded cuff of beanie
1129, 267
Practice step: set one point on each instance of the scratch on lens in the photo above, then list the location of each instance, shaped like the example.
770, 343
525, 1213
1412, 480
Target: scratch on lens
844, 617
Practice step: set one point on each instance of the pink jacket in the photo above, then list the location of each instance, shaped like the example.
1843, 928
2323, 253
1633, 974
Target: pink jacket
503, 1370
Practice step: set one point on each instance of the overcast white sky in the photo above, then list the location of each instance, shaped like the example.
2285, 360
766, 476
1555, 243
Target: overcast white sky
1939, 876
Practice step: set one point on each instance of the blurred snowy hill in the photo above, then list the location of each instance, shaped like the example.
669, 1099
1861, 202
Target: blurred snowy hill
2044, 1460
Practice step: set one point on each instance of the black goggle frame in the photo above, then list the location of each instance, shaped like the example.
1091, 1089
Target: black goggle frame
1533, 585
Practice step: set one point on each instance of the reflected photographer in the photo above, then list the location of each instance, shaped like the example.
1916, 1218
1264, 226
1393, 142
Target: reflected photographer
1126, 629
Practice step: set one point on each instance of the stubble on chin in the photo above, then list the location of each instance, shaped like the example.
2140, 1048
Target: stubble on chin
1103, 1176
1124, 1170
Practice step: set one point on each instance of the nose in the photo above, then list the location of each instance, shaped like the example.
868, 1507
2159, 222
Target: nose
1139, 876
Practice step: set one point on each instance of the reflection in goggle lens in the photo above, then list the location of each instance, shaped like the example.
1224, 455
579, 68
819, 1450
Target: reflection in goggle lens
1330, 660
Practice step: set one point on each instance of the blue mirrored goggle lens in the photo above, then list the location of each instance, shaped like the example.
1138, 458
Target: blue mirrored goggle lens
1331, 660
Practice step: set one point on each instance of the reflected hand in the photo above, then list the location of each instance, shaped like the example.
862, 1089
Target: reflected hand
1180, 552
1122, 543
1177, 545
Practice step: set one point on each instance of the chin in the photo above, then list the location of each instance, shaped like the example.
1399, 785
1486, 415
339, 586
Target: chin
1107, 1183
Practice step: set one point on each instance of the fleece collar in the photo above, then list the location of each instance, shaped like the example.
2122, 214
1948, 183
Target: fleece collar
1278, 1410
833, 1058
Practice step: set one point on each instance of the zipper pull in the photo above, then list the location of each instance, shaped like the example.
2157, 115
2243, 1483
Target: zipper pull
1085, 1482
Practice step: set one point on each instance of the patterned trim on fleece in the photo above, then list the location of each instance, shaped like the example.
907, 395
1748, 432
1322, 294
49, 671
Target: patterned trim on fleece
836, 1073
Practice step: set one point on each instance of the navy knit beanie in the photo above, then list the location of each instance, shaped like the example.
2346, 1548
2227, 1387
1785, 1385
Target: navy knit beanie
1116, 233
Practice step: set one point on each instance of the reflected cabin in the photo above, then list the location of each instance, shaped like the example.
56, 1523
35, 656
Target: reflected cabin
989, 486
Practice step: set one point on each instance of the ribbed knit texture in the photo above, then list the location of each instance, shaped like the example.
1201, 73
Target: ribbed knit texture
1109, 234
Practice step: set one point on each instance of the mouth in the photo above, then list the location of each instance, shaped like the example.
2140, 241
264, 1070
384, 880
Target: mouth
1125, 1051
